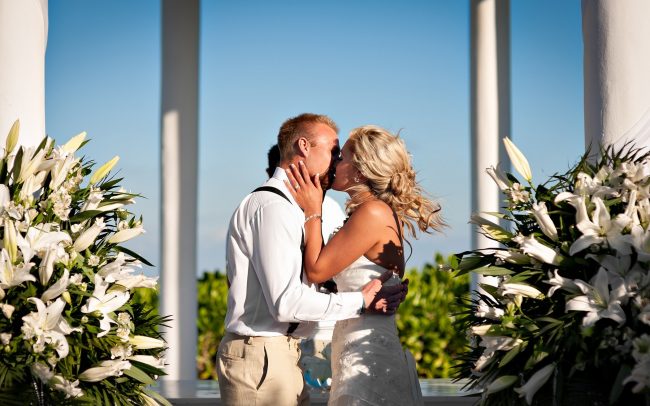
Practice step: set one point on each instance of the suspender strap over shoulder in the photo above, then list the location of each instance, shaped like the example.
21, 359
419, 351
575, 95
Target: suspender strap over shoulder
292, 326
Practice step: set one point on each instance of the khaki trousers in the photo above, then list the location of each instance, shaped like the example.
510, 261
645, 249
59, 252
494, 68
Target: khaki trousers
260, 371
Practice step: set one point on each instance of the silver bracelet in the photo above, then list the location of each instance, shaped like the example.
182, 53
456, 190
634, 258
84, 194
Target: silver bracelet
313, 216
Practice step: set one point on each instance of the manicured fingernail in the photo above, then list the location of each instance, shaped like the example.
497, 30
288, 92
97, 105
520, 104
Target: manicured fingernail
302, 163
292, 165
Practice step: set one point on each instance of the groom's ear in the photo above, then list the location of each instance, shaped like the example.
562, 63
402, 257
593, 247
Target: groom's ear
303, 146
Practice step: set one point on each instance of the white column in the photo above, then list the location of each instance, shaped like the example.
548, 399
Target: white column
616, 38
490, 104
180, 56
23, 38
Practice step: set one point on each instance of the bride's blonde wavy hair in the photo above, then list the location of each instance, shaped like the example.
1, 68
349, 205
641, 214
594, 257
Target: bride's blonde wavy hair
384, 162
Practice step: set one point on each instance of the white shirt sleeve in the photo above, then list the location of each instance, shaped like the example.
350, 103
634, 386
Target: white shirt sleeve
277, 233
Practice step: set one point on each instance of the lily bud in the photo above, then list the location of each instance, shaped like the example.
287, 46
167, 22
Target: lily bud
125, 235
74, 143
103, 170
518, 159
10, 240
145, 343
12, 137
66, 296
535, 383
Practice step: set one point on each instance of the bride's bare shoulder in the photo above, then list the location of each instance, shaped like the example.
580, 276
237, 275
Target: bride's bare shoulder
375, 209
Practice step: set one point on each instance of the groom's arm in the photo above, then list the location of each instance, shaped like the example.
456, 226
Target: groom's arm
277, 261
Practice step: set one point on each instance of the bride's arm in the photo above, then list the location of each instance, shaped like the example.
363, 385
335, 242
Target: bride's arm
354, 239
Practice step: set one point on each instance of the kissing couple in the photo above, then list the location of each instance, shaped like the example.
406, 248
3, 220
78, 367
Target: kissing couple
275, 256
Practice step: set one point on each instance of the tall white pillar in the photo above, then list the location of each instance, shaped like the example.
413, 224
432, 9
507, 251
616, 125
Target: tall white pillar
23, 39
490, 104
616, 38
180, 70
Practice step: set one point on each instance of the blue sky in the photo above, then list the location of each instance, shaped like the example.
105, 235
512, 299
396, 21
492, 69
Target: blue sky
400, 65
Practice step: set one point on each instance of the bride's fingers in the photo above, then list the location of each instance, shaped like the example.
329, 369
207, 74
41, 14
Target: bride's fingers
298, 175
304, 172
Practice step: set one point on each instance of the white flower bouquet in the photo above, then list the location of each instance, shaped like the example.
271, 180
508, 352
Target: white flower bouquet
70, 332
566, 308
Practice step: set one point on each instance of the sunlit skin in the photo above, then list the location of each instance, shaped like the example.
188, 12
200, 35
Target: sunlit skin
318, 154
370, 231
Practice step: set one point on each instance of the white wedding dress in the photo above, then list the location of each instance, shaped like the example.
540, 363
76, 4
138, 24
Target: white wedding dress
369, 365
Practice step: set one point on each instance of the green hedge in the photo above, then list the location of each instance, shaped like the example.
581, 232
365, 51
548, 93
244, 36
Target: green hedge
424, 319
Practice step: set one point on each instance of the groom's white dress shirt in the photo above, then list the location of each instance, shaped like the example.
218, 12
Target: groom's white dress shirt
263, 265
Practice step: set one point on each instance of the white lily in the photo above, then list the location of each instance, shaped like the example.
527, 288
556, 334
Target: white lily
530, 246
71, 389
105, 369
520, 289
57, 288
44, 326
146, 343
112, 269
518, 159
601, 229
493, 344
488, 312
94, 198
499, 178
640, 240
30, 162
88, 237
535, 382
52, 255
39, 239
598, 301
11, 275
60, 170
557, 282
544, 220
125, 235
105, 303
33, 184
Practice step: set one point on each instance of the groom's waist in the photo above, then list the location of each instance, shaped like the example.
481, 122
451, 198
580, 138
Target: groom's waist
274, 339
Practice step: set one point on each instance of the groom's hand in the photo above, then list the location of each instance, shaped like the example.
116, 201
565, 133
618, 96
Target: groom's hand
384, 299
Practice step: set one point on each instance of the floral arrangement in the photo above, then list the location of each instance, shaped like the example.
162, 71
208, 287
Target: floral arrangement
564, 308
69, 331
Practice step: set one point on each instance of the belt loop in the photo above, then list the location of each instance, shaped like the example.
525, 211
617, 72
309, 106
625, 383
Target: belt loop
248, 340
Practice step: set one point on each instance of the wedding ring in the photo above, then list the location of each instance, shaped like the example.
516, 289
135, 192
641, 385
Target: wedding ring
297, 186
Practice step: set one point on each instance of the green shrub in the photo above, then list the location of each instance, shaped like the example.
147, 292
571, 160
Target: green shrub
424, 319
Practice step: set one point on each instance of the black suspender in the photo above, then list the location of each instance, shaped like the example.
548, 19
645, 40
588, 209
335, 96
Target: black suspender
292, 326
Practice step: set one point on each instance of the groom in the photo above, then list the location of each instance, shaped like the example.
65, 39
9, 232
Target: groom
269, 306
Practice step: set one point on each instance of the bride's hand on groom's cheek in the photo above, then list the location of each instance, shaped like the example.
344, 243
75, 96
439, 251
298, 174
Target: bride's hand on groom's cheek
307, 192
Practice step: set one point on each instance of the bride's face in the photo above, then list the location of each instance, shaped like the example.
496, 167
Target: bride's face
345, 171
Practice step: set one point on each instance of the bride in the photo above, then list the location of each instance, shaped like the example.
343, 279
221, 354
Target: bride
369, 366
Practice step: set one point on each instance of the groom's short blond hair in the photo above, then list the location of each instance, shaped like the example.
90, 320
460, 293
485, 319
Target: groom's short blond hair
297, 127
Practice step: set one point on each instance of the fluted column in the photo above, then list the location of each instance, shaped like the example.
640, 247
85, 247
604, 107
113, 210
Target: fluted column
23, 39
490, 104
616, 38
180, 53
